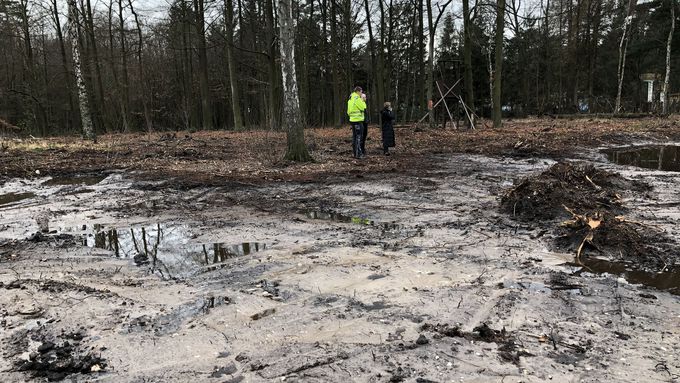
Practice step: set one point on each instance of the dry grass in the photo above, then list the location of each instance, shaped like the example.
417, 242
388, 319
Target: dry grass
256, 156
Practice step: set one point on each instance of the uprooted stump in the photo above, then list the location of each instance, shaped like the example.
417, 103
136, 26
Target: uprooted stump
605, 234
581, 187
589, 204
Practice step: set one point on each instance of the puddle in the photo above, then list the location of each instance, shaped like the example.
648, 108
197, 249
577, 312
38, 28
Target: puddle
6, 199
77, 180
667, 281
169, 248
336, 217
665, 158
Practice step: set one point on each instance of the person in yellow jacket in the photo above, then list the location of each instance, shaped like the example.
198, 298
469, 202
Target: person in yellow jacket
355, 111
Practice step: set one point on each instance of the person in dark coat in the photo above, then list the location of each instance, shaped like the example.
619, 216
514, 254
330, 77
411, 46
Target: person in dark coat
364, 131
387, 128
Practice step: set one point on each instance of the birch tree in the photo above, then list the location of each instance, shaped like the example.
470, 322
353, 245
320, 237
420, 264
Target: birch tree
74, 32
292, 118
623, 49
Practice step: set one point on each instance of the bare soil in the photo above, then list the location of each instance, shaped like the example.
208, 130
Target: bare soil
203, 257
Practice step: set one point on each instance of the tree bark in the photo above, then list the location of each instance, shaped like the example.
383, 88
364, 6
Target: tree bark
140, 67
467, 57
272, 69
231, 64
666, 81
204, 85
422, 102
125, 82
64, 62
36, 118
337, 84
74, 31
498, 68
349, 36
97, 83
292, 119
374, 61
623, 50
380, 74
432, 29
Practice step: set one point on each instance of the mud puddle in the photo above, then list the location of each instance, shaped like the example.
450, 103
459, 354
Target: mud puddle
666, 158
665, 280
87, 180
168, 247
358, 220
9, 198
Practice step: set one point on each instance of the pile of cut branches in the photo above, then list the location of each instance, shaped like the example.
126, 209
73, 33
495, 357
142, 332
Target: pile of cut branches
585, 208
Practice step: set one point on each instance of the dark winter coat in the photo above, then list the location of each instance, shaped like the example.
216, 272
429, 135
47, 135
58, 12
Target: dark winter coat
387, 127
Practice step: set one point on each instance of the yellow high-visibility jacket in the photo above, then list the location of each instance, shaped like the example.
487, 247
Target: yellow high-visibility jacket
355, 107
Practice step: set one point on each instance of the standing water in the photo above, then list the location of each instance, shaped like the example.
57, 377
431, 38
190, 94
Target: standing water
167, 247
666, 158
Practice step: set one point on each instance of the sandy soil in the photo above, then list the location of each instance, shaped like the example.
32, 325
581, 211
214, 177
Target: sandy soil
393, 269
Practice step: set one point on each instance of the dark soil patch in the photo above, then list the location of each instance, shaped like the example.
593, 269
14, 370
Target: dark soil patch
508, 349
582, 188
60, 357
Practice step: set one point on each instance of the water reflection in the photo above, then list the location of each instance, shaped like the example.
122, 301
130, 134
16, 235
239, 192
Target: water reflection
337, 217
8, 198
665, 158
668, 280
167, 248
76, 180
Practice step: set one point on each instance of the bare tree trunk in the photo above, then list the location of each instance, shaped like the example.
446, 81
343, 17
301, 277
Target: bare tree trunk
432, 29
594, 43
231, 64
204, 85
97, 83
371, 48
125, 82
430, 61
576, 28
140, 67
74, 28
467, 56
667, 79
292, 120
623, 50
380, 74
272, 69
422, 102
498, 68
64, 63
36, 119
337, 85
348, 21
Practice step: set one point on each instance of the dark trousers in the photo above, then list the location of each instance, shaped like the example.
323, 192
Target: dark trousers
357, 130
364, 135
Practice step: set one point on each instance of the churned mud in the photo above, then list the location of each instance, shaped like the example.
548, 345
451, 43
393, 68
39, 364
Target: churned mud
497, 266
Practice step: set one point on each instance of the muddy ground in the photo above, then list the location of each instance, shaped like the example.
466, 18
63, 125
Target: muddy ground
201, 256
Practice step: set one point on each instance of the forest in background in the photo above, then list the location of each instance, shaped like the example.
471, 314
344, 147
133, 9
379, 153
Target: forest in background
216, 64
